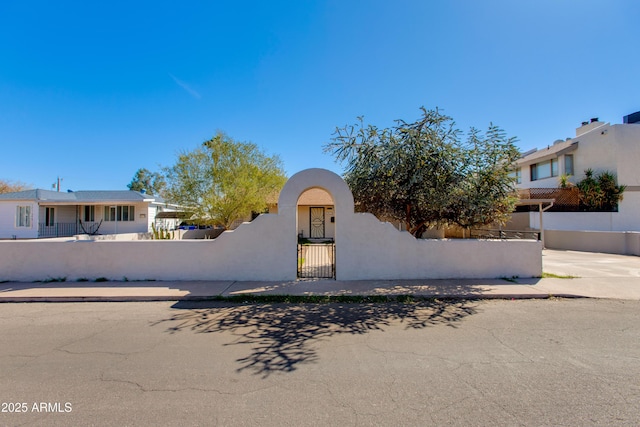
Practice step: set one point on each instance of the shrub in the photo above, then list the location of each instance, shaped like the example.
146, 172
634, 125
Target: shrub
600, 192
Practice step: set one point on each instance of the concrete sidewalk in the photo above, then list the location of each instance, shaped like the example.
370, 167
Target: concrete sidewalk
598, 276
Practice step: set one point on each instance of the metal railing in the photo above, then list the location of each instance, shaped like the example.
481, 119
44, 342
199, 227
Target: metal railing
505, 234
67, 229
317, 260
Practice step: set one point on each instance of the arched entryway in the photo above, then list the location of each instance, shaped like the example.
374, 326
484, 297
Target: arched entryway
316, 235
308, 189
316, 215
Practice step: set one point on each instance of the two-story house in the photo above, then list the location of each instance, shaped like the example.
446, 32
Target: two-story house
597, 146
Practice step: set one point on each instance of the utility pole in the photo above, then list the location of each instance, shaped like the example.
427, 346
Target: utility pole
58, 185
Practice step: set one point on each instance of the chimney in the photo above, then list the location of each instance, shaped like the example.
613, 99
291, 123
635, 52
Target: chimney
588, 126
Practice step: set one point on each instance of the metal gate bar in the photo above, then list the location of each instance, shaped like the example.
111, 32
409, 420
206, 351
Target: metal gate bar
317, 261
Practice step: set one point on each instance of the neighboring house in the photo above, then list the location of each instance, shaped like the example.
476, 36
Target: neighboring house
34, 214
316, 214
598, 146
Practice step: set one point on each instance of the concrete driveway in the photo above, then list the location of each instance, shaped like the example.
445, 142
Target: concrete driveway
590, 264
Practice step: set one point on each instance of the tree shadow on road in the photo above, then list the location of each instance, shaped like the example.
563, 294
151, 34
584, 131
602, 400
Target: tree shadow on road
282, 336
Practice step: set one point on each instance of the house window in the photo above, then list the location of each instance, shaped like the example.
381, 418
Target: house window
554, 167
89, 214
23, 216
568, 164
119, 213
49, 217
109, 213
544, 169
516, 175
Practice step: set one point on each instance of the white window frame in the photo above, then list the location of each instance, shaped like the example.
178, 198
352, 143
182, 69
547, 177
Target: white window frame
568, 161
23, 216
549, 168
119, 213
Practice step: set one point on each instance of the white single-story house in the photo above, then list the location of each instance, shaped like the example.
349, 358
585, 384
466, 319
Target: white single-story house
33, 214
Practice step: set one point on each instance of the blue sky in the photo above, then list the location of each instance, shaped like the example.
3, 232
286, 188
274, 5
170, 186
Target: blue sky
92, 91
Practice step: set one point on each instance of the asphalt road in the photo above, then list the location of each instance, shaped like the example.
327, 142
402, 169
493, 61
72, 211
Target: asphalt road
494, 362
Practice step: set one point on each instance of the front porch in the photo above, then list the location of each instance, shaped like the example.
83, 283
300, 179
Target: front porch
67, 229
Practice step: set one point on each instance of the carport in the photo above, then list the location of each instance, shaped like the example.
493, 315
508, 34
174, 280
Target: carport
541, 209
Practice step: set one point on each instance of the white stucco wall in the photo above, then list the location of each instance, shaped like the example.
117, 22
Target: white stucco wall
597, 151
626, 219
8, 227
375, 250
266, 249
150, 213
612, 242
627, 153
369, 249
250, 252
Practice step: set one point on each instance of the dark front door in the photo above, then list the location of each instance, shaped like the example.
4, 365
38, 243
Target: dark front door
316, 222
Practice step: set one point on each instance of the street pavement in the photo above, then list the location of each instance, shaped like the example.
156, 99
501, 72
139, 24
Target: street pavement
579, 274
552, 362
505, 351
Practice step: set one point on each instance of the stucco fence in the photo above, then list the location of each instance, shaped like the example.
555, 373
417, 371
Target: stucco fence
266, 250
611, 242
179, 234
231, 258
606, 232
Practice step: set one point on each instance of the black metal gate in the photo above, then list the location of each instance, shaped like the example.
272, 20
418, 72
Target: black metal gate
317, 261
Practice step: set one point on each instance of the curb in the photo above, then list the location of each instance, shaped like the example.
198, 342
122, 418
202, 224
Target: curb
94, 299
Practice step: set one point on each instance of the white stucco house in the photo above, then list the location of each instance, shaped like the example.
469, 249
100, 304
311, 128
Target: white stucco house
598, 146
33, 214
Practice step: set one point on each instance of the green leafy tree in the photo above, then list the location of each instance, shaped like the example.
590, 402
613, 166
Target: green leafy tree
224, 180
151, 182
486, 194
421, 173
7, 186
600, 192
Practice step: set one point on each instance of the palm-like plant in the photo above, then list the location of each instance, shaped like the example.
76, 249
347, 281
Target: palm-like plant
600, 192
